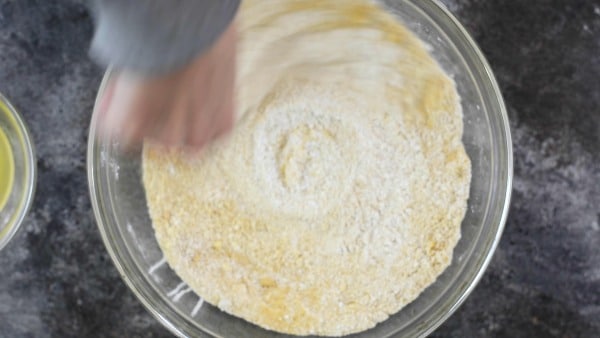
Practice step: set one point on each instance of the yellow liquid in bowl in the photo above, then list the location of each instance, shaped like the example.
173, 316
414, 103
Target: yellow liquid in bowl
7, 169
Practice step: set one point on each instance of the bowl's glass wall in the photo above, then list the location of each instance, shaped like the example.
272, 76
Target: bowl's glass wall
23, 185
120, 206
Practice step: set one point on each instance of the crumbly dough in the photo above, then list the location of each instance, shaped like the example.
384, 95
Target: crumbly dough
339, 196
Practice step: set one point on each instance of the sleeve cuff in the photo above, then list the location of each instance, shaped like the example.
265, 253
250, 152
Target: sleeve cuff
154, 37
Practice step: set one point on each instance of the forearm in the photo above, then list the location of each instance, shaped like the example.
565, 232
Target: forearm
157, 36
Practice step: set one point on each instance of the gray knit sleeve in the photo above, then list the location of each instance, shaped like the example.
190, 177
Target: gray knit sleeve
157, 36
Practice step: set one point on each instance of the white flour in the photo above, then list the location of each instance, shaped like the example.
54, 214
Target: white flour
339, 196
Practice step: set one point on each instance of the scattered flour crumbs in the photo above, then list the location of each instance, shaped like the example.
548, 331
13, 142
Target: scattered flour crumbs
339, 196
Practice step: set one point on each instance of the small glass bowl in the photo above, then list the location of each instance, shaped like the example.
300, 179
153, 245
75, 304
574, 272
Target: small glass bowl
21, 153
120, 209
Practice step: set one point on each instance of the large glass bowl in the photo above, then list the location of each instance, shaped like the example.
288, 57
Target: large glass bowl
120, 207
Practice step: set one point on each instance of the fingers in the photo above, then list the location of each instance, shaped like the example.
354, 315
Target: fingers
117, 108
131, 107
225, 123
174, 132
132, 111
227, 104
106, 98
211, 114
201, 123
224, 113
185, 109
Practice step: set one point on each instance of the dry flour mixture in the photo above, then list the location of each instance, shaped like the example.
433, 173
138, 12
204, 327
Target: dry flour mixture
339, 196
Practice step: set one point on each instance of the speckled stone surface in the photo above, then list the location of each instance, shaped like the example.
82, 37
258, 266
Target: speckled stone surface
56, 279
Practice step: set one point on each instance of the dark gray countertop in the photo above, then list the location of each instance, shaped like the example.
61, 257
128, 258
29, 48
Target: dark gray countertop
56, 279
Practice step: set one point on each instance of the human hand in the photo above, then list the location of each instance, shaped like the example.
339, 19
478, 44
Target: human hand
187, 108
